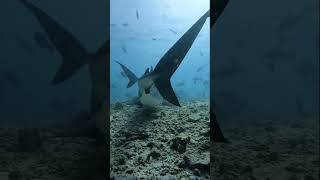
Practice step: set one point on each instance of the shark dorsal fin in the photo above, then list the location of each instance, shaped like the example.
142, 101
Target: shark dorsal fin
147, 71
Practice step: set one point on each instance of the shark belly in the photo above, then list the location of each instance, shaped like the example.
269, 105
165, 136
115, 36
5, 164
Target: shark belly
148, 100
145, 97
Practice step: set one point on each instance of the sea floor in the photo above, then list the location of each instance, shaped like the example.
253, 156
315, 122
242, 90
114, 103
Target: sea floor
167, 142
272, 150
55, 157
269, 150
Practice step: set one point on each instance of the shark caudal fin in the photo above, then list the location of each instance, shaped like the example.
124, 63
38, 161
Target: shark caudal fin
169, 63
217, 7
131, 76
216, 133
73, 53
98, 68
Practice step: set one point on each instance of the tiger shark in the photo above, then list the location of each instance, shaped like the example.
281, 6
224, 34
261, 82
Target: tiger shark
160, 76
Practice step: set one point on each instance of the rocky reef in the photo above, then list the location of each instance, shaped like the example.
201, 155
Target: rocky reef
273, 150
164, 143
43, 153
167, 142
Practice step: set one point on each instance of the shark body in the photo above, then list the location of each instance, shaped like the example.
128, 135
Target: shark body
168, 64
76, 56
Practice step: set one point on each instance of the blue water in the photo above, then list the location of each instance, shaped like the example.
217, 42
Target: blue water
34, 100
140, 43
244, 39
241, 41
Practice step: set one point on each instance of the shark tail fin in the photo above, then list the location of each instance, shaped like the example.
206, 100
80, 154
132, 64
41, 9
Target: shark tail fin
98, 67
131, 76
169, 63
164, 87
74, 55
216, 134
66, 70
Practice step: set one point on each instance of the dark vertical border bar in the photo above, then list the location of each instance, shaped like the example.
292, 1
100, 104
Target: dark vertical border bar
108, 93
216, 9
216, 135
95, 125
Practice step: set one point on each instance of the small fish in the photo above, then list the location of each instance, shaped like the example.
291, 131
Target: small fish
42, 41
180, 84
174, 32
125, 24
124, 49
112, 24
137, 15
201, 67
201, 53
206, 83
196, 79
123, 74
154, 39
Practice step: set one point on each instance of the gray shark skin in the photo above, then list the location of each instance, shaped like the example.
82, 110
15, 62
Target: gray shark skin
75, 56
131, 76
160, 76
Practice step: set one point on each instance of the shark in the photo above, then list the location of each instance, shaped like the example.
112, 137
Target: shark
74, 57
160, 76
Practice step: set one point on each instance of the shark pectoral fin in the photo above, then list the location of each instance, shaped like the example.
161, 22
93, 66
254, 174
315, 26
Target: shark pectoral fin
131, 76
165, 89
